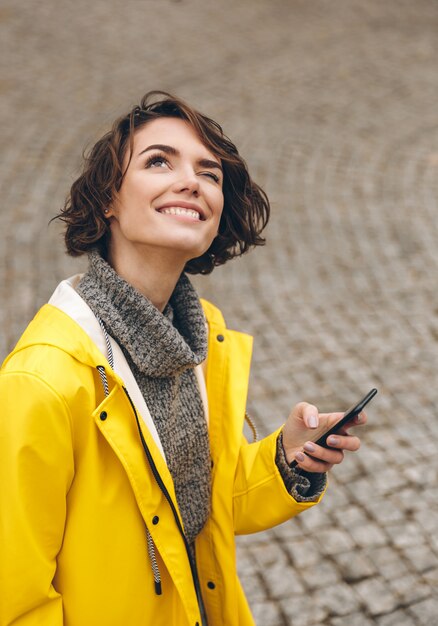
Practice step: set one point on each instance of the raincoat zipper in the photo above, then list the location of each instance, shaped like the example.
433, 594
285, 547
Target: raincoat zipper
168, 497
161, 485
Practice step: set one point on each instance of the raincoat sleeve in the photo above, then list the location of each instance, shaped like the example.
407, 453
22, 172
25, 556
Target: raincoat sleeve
261, 499
36, 470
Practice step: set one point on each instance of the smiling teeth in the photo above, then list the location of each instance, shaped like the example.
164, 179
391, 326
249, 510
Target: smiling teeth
180, 211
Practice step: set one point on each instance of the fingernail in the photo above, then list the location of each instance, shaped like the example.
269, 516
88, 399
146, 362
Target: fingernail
313, 421
309, 447
333, 441
359, 417
300, 457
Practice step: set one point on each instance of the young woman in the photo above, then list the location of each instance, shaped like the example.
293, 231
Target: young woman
124, 471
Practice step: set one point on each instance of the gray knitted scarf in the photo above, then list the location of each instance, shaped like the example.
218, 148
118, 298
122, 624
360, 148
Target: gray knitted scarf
162, 350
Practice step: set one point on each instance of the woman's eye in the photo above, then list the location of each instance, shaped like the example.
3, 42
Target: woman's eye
156, 161
212, 176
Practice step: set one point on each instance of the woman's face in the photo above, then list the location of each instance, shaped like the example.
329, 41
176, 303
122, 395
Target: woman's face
171, 198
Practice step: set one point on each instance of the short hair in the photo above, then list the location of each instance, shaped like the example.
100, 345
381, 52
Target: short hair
246, 206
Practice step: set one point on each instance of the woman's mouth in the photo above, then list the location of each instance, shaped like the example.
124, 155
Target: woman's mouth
178, 210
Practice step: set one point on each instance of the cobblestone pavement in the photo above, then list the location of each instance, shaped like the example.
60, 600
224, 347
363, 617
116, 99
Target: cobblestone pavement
334, 105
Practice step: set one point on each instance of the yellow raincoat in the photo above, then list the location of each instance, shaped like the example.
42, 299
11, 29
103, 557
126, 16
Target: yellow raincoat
77, 489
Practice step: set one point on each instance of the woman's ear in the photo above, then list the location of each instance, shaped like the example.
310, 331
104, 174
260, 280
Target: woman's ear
109, 212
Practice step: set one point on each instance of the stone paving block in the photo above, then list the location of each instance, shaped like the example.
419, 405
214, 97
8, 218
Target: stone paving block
266, 613
244, 559
303, 552
431, 577
303, 611
336, 498
362, 490
376, 595
406, 499
385, 511
428, 520
354, 619
371, 456
425, 612
409, 588
350, 516
268, 554
334, 540
254, 589
368, 535
389, 481
431, 494
397, 618
393, 569
433, 542
282, 581
338, 599
407, 534
400, 455
349, 470
420, 473
320, 575
289, 531
421, 557
354, 565
314, 519
390, 562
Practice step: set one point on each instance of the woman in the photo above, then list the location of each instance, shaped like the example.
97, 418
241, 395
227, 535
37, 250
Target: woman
125, 472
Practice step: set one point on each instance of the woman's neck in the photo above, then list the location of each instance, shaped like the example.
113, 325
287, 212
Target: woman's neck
154, 276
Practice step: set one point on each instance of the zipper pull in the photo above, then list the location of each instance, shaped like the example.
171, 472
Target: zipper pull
154, 564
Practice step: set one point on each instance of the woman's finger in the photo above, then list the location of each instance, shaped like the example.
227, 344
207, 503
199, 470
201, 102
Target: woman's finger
327, 455
310, 464
331, 419
315, 458
309, 414
344, 442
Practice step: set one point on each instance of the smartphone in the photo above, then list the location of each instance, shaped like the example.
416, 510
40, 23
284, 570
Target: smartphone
347, 417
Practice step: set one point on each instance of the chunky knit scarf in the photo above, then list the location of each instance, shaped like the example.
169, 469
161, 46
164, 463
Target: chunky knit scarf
162, 350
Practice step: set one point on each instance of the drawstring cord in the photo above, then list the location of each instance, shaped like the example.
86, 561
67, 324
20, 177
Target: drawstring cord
104, 379
253, 427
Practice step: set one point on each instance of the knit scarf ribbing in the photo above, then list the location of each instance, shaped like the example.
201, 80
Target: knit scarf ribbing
162, 350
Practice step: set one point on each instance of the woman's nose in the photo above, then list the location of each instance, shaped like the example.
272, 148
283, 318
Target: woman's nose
188, 182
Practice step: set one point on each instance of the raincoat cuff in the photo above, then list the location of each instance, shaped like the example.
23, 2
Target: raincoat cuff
301, 485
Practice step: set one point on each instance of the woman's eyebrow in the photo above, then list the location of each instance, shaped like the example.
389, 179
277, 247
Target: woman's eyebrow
174, 152
210, 164
162, 147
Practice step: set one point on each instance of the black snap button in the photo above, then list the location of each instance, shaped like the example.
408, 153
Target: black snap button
220, 338
211, 585
212, 464
155, 520
103, 416
197, 624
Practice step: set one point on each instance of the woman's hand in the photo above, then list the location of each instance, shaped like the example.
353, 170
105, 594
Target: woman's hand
305, 425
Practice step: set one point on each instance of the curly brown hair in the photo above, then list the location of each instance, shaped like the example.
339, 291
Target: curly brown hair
246, 206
